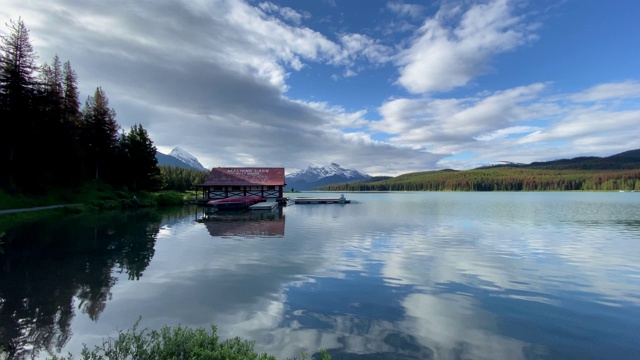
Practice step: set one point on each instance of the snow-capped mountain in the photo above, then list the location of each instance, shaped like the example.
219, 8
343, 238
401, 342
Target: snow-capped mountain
187, 158
315, 176
180, 158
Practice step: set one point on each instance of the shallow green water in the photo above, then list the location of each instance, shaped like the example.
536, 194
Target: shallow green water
391, 275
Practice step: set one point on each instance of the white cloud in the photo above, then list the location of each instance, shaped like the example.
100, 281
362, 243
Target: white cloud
286, 13
609, 91
452, 47
521, 124
448, 125
358, 46
405, 10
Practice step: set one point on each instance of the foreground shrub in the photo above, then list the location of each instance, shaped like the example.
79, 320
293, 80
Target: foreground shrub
171, 343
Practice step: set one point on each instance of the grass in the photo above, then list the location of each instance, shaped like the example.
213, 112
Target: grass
94, 195
176, 343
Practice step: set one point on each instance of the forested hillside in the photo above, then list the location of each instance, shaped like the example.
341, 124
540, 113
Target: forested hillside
617, 172
181, 179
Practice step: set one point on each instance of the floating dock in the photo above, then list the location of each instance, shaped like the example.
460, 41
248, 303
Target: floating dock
315, 200
268, 205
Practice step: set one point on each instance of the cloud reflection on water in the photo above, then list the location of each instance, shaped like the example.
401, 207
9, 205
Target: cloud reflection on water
433, 278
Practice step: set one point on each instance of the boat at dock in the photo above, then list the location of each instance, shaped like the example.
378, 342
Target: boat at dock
319, 200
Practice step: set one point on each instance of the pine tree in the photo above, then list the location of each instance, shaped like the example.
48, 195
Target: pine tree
59, 124
71, 102
17, 92
100, 135
143, 172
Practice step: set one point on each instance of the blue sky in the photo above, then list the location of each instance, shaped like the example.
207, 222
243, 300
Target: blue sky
386, 87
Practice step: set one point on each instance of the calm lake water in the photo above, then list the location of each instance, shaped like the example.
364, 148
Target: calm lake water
389, 276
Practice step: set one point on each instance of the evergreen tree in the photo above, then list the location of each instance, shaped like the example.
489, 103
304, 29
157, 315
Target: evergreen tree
17, 92
143, 172
59, 131
100, 135
71, 102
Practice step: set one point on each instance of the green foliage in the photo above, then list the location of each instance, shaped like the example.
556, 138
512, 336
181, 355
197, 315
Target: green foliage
502, 179
177, 343
142, 172
181, 179
100, 135
172, 343
169, 198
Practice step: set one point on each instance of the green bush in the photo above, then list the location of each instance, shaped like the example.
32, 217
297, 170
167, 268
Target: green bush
169, 198
174, 343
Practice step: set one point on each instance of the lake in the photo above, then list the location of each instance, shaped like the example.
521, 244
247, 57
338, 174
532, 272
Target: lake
549, 275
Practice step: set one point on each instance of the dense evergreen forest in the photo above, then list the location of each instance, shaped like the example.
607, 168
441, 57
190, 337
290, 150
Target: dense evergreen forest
48, 140
620, 172
181, 179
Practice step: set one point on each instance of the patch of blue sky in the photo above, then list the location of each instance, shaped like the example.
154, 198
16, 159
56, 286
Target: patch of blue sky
467, 155
382, 137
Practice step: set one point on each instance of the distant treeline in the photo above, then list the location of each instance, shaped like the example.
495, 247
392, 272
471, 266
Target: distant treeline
502, 179
181, 179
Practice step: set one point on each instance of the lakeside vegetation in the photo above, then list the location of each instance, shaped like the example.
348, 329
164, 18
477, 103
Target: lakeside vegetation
177, 343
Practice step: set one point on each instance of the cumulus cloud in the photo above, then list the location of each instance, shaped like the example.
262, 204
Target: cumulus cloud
609, 91
455, 45
447, 125
521, 124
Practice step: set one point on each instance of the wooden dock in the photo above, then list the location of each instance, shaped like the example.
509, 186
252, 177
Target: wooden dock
267, 205
317, 200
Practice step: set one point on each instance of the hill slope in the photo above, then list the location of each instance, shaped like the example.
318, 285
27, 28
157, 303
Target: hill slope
625, 160
616, 172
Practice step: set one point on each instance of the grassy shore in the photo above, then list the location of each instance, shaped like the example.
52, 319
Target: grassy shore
91, 196
94, 195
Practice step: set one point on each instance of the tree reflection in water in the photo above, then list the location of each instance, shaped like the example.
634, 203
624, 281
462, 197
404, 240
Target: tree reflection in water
46, 264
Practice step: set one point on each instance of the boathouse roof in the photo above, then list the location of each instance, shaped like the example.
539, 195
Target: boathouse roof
245, 176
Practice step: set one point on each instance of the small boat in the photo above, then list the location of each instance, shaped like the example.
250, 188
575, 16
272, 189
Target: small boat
315, 200
235, 202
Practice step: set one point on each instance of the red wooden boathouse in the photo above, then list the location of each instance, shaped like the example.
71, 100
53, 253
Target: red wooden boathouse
228, 182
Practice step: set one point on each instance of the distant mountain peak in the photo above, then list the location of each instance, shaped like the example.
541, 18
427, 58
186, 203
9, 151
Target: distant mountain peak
187, 158
318, 175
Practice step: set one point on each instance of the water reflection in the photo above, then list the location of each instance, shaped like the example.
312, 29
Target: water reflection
52, 266
262, 223
389, 276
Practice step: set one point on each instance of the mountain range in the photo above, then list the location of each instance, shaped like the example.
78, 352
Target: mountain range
307, 179
180, 158
316, 175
